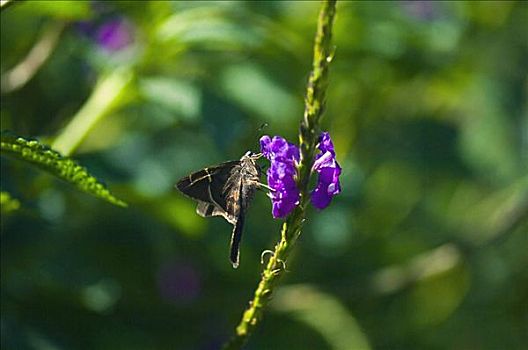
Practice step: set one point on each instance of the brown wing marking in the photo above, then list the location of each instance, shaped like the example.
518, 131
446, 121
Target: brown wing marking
207, 210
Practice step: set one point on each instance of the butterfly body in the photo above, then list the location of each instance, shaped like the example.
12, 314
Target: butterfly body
225, 190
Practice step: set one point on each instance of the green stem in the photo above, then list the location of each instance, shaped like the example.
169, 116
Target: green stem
106, 96
308, 134
16, 77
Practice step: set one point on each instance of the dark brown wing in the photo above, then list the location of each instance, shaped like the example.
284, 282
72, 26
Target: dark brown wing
207, 210
222, 187
224, 190
201, 185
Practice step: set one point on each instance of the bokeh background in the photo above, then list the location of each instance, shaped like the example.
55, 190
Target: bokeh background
425, 248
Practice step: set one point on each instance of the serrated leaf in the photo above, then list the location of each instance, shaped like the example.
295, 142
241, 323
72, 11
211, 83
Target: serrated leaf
8, 203
65, 168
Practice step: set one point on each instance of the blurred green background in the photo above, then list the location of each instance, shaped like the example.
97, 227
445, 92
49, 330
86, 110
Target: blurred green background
425, 248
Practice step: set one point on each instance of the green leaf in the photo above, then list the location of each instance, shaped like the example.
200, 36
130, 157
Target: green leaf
38, 154
208, 26
180, 97
64, 9
8, 203
324, 313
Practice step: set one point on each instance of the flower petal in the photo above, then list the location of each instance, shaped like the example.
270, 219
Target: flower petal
114, 35
329, 171
281, 174
325, 143
320, 198
265, 146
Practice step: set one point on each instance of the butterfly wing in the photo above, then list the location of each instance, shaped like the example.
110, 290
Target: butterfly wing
224, 190
207, 210
207, 186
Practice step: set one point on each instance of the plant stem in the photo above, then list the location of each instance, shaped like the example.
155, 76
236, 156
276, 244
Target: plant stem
107, 95
308, 134
16, 77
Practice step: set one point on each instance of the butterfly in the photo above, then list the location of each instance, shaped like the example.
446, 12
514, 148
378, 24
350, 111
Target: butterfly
226, 190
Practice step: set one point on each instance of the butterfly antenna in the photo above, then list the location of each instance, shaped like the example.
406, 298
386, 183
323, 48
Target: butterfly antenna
259, 135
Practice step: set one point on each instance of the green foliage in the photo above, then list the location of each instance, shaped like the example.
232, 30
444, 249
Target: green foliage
8, 203
35, 153
64, 9
426, 105
309, 129
324, 313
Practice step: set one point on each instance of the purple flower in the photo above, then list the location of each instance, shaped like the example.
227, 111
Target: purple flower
329, 171
279, 148
421, 9
284, 157
114, 35
281, 174
111, 35
179, 283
